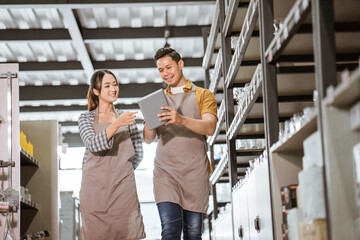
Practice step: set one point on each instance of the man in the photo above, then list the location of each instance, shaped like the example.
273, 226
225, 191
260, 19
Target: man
181, 173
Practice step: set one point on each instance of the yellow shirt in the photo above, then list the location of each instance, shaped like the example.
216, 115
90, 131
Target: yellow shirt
205, 99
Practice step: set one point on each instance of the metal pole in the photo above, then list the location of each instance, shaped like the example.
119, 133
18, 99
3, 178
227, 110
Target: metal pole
269, 89
325, 74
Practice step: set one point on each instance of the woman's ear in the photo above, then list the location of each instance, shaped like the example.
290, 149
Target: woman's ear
96, 92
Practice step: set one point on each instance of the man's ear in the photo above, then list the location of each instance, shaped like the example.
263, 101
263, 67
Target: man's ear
96, 92
181, 64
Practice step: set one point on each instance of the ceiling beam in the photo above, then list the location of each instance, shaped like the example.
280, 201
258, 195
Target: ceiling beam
110, 64
34, 34
144, 32
78, 41
50, 66
70, 108
99, 34
92, 3
64, 92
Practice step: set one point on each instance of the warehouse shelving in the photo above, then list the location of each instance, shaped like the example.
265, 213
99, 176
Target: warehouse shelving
301, 57
27, 160
294, 142
9, 147
347, 92
339, 140
38, 174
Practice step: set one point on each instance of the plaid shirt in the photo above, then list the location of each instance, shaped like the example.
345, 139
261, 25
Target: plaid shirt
98, 142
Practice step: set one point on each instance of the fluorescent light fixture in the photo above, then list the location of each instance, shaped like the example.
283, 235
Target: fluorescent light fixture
22, 59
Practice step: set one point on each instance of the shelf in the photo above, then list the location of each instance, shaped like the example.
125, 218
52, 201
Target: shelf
214, 80
219, 170
27, 160
295, 141
243, 42
220, 204
26, 204
231, 15
292, 22
214, 31
347, 92
211, 139
249, 152
240, 116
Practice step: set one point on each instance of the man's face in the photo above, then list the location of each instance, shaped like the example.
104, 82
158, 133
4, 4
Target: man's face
170, 71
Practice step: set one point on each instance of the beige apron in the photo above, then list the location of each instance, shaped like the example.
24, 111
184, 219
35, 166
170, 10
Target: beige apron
181, 173
108, 199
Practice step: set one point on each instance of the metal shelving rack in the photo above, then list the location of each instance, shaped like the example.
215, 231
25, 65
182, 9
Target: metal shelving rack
300, 58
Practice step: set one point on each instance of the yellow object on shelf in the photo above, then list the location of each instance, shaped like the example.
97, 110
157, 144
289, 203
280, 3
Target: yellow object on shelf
22, 140
25, 145
31, 149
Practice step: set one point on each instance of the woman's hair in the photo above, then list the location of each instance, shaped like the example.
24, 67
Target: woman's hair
95, 83
166, 51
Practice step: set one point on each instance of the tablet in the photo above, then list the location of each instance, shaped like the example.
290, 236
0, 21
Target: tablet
150, 106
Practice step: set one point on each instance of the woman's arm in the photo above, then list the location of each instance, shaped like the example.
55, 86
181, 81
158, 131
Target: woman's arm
103, 140
94, 142
137, 143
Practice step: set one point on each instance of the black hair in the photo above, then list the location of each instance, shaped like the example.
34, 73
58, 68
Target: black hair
166, 51
95, 83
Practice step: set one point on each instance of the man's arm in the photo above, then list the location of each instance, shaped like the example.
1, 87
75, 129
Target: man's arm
204, 126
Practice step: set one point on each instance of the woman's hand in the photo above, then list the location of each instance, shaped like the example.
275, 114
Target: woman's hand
172, 116
126, 118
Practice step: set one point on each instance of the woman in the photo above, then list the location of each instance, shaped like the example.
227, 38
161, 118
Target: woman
108, 199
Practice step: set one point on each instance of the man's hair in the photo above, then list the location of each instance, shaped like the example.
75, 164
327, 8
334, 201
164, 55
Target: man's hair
166, 51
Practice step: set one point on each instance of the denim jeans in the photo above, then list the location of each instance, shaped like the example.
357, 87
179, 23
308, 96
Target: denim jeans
174, 219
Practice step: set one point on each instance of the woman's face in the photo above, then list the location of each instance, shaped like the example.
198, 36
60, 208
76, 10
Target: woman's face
109, 89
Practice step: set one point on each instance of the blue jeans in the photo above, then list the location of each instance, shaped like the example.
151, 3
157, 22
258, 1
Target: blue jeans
174, 219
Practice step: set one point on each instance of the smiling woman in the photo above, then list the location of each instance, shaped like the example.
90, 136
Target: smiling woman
108, 199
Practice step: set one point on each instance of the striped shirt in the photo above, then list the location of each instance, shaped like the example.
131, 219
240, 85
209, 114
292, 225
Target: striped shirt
98, 142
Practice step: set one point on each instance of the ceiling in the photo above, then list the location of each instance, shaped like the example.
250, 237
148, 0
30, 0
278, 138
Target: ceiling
60, 43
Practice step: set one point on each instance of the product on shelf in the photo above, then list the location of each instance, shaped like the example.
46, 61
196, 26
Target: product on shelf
288, 201
24, 144
356, 153
355, 116
315, 230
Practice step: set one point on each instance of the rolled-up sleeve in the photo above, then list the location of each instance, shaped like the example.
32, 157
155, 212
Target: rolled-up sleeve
137, 143
93, 142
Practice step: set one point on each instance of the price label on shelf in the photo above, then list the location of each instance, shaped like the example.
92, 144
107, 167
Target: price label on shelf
297, 15
270, 56
278, 43
286, 32
305, 4
4, 205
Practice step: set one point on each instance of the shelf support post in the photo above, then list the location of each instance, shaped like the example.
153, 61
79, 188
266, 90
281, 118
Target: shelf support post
229, 103
269, 89
325, 76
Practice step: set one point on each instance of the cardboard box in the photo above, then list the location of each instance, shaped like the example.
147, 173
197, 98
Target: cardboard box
312, 151
315, 230
311, 191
